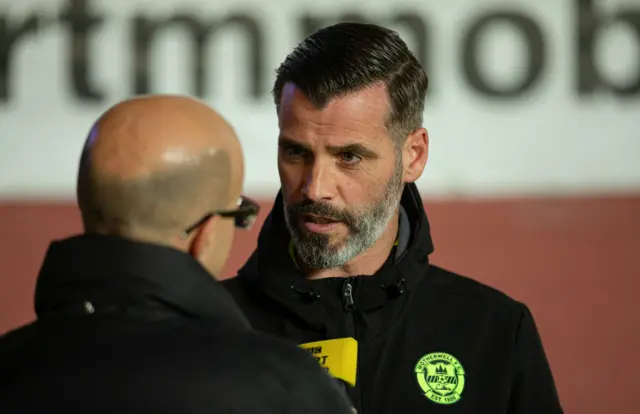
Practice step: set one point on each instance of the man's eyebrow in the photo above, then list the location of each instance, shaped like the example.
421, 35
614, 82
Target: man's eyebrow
284, 141
355, 148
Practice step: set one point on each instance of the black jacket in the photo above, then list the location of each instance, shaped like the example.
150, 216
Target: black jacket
127, 327
430, 341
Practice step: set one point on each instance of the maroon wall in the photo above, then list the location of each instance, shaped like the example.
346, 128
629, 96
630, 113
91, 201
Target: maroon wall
573, 261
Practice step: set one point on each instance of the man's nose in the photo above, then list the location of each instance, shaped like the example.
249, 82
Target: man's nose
319, 183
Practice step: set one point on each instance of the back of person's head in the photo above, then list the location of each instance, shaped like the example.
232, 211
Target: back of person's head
157, 169
347, 57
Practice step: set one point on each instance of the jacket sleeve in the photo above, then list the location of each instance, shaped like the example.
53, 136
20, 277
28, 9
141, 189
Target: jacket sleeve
316, 392
533, 388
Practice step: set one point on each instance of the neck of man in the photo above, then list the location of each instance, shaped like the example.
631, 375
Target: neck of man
366, 263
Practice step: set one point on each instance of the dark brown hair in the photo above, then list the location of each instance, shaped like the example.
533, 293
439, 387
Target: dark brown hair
346, 57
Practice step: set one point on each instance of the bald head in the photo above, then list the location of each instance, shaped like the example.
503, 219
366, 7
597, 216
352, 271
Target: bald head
153, 165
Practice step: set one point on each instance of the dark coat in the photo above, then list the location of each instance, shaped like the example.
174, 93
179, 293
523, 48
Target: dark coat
430, 341
128, 327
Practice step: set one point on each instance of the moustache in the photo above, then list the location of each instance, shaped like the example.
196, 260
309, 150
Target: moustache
322, 210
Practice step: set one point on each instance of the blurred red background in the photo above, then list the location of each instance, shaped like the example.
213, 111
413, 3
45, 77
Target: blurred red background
572, 260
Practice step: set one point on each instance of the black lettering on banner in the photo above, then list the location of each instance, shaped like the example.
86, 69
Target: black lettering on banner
531, 33
145, 31
81, 23
311, 23
11, 33
589, 26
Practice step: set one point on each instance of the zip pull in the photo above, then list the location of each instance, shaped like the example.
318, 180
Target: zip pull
347, 296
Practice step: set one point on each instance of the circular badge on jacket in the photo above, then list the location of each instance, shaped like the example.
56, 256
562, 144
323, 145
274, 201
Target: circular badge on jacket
441, 377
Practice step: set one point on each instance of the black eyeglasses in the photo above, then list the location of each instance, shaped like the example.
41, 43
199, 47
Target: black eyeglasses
245, 215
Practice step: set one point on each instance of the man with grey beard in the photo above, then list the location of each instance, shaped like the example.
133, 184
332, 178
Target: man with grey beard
345, 251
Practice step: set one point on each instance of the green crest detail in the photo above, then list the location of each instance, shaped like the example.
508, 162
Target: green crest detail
441, 377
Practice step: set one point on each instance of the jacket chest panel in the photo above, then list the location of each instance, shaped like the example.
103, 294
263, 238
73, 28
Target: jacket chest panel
431, 375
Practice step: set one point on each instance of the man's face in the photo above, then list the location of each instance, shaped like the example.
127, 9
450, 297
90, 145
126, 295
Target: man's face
340, 172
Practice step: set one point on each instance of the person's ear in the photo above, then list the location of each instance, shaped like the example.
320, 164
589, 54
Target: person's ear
415, 154
202, 241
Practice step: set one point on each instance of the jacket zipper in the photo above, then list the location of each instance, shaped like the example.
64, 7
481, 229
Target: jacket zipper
347, 296
348, 304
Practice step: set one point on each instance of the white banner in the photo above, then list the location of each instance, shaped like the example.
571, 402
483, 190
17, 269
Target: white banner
527, 97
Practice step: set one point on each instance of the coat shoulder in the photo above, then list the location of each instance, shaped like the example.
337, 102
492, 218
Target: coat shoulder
473, 290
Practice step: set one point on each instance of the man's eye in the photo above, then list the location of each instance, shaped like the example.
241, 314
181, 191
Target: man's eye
293, 152
350, 158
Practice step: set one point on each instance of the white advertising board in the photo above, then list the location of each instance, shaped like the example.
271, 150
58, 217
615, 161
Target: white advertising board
527, 97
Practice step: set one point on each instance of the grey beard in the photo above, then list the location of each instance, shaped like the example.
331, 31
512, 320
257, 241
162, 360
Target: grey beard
365, 229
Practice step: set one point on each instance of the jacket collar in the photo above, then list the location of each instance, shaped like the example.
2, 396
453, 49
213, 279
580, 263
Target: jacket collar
272, 269
107, 269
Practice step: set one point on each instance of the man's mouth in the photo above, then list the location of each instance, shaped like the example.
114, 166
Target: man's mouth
318, 219
319, 224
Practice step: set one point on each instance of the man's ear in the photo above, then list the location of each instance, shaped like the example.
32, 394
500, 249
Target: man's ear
415, 154
202, 239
